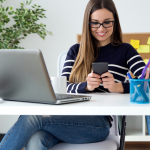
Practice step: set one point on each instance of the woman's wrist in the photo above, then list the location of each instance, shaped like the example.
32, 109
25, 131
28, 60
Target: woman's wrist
86, 88
119, 88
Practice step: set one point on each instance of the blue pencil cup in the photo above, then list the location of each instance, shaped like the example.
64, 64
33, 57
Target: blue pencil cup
139, 91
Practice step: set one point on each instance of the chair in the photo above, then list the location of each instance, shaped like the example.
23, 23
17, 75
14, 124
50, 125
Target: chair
60, 62
111, 143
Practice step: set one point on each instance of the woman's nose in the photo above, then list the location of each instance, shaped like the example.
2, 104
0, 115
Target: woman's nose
101, 28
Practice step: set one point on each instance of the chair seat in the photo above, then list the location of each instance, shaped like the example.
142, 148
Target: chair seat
111, 143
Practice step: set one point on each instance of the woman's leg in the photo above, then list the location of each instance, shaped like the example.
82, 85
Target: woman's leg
20, 133
78, 129
41, 140
72, 129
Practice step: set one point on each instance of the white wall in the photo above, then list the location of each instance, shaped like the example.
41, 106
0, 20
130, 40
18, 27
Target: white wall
6, 122
65, 17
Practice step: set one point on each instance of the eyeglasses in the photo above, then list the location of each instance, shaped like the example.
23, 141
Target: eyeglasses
105, 24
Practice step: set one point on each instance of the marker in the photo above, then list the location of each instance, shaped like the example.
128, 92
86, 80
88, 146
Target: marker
144, 70
129, 76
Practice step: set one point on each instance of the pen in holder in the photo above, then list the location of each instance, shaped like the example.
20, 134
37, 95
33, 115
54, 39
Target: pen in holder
139, 91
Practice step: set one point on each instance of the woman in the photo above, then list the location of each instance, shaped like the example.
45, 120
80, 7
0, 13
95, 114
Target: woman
101, 42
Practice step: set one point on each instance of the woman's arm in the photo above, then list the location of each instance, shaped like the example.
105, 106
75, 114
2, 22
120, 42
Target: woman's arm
69, 62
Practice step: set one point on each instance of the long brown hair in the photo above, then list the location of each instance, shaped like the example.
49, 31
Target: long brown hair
88, 51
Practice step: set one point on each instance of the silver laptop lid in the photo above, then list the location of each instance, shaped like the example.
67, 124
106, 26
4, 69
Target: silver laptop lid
24, 77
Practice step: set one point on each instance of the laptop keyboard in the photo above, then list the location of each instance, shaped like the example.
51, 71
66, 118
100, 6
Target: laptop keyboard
62, 96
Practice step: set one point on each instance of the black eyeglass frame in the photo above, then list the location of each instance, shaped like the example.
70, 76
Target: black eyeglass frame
101, 24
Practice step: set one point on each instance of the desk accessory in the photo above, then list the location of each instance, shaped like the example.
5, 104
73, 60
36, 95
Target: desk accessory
59, 84
136, 93
28, 80
139, 91
144, 70
129, 76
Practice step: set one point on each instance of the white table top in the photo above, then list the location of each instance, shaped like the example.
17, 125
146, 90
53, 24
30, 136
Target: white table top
100, 104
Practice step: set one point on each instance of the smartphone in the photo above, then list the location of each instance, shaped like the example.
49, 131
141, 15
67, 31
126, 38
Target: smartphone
100, 67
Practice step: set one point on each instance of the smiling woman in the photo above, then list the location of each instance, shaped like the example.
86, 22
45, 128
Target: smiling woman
100, 44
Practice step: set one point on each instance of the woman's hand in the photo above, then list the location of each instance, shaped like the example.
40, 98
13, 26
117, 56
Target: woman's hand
109, 83
93, 81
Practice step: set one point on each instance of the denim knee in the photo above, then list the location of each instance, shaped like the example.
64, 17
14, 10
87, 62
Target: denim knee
41, 140
35, 142
31, 121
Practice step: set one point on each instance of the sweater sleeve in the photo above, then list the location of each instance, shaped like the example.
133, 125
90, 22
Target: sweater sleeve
69, 62
135, 64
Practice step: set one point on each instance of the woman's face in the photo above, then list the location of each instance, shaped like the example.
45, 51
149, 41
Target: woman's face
102, 34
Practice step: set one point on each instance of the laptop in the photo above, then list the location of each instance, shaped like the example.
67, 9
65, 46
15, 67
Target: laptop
24, 78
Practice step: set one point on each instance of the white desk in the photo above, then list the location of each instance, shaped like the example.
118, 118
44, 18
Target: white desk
100, 104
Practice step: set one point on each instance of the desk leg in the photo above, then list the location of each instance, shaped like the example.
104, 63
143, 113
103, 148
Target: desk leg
122, 136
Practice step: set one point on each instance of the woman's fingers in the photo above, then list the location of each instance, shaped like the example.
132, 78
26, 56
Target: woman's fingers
108, 81
93, 81
108, 84
107, 74
93, 75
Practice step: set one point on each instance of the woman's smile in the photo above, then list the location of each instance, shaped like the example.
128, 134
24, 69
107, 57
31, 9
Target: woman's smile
101, 34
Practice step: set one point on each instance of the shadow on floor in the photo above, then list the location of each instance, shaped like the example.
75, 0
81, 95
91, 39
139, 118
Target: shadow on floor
1, 136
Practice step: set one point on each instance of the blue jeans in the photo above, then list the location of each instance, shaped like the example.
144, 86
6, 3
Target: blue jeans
43, 132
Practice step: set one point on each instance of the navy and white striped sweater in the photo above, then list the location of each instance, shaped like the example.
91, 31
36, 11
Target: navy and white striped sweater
120, 60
